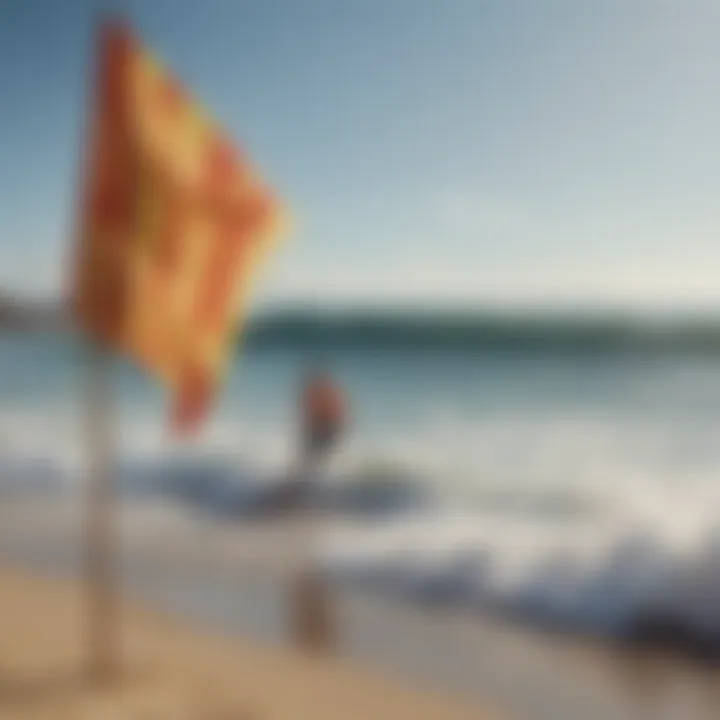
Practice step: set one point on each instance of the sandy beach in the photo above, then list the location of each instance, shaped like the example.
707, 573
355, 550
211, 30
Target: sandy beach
174, 672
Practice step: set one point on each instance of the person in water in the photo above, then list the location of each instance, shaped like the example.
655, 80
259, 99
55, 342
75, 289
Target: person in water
322, 421
323, 417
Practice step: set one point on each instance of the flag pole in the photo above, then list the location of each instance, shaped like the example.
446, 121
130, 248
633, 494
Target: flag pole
101, 581
100, 541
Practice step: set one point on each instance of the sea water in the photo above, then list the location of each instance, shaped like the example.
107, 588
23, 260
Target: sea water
579, 489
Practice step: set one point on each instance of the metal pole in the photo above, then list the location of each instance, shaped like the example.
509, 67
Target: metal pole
100, 541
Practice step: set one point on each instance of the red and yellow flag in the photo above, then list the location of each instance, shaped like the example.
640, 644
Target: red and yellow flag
174, 222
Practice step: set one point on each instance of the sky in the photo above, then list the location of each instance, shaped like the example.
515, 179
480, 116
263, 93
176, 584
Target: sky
470, 153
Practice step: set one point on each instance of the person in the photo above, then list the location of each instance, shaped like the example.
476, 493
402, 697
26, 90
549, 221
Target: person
324, 419
323, 408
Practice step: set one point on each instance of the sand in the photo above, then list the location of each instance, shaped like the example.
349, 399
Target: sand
172, 671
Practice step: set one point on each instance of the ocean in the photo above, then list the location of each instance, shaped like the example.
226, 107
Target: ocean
563, 478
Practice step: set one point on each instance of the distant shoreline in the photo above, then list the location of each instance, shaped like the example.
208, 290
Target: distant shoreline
497, 331
483, 332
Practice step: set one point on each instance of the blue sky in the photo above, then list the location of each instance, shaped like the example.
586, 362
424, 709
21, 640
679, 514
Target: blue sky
464, 152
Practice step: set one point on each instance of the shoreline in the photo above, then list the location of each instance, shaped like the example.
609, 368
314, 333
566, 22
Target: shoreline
174, 670
228, 579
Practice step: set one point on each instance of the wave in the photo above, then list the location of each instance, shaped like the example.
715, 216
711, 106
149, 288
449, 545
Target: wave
226, 488
632, 588
585, 527
563, 562
232, 491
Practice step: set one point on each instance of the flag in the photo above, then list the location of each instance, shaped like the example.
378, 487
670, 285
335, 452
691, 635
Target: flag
174, 223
